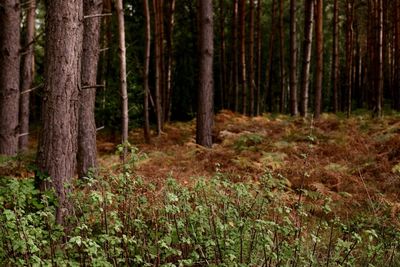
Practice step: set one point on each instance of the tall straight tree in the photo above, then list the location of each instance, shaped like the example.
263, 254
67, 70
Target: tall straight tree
158, 53
293, 59
222, 56
9, 75
282, 103
146, 72
169, 30
349, 53
268, 70
122, 73
57, 148
205, 92
259, 59
251, 58
335, 57
235, 55
379, 65
242, 40
27, 75
319, 46
87, 151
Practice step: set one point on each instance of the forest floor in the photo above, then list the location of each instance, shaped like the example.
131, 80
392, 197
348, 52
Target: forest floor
355, 162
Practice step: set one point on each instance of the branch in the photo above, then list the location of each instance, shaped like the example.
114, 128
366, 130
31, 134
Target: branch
31, 89
97, 15
93, 86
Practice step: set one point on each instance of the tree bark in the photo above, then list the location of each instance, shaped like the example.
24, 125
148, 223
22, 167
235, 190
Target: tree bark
251, 58
57, 148
9, 75
319, 56
293, 59
206, 47
242, 40
379, 98
158, 69
397, 55
307, 45
349, 53
170, 59
87, 150
146, 72
268, 74
122, 74
335, 56
259, 60
235, 61
27, 76
282, 104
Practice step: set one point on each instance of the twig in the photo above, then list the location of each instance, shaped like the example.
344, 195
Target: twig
31, 89
93, 86
97, 15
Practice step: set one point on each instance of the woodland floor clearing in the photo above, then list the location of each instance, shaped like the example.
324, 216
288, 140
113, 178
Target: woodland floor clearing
354, 161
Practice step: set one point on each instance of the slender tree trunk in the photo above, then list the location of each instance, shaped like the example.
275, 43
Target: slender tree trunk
222, 56
307, 45
235, 55
293, 59
349, 53
259, 61
158, 62
335, 56
379, 92
319, 57
170, 59
242, 40
9, 75
28, 76
146, 72
282, 103
122, 74
57, 148
205, 105
87, 150
268, 75
397, 55
251, 58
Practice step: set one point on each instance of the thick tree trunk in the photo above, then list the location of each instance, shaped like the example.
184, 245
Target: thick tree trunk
146, 72
122, 73
9, 75
242, 40
293, 59
319, 45
251, 57
307, 45
57, 149
27, 76
335, 57
206, 47
87, 150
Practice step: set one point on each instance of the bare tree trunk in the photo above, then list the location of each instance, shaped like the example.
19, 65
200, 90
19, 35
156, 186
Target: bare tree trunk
9, 75
242, 40
158, 62
397, 55
307, 45
146, 72
87, 150
335, 56
349, 53
169, 65
57, 149
205, 105
293, 59
268, 75
259, 61
319, 57
27, 76
251, 58
223, 91
122, 73
379, 92
235, 61
282, 103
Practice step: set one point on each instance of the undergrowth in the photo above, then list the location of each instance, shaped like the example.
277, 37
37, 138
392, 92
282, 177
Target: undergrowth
122, 220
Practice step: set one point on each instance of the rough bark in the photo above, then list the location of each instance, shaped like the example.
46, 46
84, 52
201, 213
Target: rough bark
146, 72
9, 75
27, 76
205, 91
87, 150
158, 66
57, 149
293, 59
122, 73
307, 45
319, 46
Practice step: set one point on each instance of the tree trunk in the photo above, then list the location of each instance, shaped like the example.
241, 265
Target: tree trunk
27, 76
242, 40
9, 75
222, 76
335, 56
146, 72
251, 58
206, 47
235, 61
307, 45
397, 55
122, 73
259, 60
268, 74
293, 59
87, 150
158, 62
349, 53
319, 57
379, 98
57, 148
169, 65
282, 103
